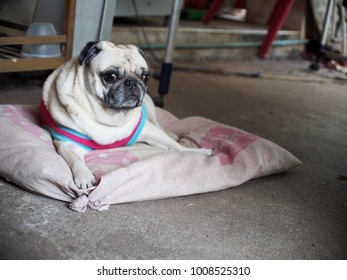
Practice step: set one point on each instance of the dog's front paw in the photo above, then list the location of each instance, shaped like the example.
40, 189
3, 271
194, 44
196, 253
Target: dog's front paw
84, 179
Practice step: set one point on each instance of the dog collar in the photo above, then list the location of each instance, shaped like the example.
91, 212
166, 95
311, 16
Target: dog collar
62, 133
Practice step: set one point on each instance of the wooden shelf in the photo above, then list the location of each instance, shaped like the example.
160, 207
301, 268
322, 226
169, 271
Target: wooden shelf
21, 40
19, 63
30, 64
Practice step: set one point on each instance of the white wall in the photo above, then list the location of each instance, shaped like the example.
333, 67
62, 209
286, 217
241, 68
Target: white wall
93, 22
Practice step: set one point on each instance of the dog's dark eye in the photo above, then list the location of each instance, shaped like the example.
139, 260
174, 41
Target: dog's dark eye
145, 78
110, 77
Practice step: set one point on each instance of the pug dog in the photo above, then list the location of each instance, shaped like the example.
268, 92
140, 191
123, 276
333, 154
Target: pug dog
98, 100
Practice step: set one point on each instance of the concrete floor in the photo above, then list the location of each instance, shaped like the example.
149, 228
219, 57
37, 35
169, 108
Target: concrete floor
297, 215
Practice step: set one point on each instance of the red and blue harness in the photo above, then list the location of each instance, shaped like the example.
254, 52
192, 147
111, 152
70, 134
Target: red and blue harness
62, 133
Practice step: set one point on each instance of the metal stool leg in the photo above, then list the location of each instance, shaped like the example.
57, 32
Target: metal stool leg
328, 13
165, 74
344, 31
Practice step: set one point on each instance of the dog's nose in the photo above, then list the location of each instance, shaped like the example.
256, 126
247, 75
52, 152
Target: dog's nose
130, 83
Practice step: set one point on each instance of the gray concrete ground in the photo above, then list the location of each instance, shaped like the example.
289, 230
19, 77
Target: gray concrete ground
297, 215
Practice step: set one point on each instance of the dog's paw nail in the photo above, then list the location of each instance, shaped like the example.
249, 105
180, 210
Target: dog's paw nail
85, 182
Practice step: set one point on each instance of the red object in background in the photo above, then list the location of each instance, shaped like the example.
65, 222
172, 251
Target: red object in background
195, 4
275, 22
240, 4
214, 7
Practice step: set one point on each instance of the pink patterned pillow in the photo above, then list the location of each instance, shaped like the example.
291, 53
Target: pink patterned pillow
140, 172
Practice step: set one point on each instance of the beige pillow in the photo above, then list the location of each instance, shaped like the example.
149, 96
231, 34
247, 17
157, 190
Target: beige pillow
140, 172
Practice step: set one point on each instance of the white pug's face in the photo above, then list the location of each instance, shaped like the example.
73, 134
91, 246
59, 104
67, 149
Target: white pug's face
115, 75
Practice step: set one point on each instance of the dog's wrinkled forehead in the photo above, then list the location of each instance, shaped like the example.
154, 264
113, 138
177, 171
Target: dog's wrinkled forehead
105, 54
127, 57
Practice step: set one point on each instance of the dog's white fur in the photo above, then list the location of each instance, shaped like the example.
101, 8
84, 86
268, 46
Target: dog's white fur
72, 95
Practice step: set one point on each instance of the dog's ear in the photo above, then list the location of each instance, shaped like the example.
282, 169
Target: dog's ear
90, 50
143, 55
